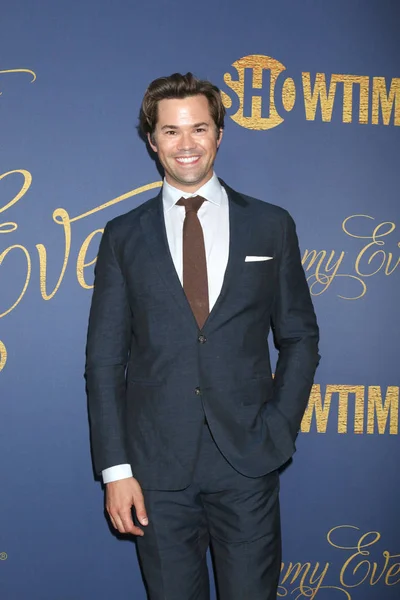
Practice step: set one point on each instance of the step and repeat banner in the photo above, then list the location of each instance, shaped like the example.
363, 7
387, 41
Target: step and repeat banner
312, 92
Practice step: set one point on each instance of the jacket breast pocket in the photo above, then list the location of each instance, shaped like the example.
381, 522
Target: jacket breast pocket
258, 278
259, 266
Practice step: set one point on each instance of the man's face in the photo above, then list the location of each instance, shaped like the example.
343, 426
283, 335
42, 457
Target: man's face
186, 141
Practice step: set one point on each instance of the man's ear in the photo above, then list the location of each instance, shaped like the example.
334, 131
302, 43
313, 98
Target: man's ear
220, 135
152, 142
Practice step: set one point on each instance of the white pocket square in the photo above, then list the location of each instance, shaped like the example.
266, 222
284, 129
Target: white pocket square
257, 258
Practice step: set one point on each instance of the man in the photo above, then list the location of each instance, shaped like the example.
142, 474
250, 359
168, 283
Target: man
188, 426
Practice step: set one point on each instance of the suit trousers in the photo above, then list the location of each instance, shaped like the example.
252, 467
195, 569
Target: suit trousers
239, 516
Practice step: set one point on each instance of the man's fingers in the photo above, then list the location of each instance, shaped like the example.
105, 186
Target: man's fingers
128, 524
137, 531
113, 521
140, 508
123, 522
121, 495
118, 523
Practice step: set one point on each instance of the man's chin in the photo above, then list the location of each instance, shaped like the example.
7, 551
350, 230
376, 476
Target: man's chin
189, 179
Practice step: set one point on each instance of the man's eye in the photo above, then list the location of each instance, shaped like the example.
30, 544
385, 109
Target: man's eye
170, 132
200, 129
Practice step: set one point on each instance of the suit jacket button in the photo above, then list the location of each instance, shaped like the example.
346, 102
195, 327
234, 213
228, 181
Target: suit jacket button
202, 339
197, 391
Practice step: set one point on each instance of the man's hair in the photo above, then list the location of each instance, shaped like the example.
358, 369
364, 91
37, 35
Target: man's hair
178, 86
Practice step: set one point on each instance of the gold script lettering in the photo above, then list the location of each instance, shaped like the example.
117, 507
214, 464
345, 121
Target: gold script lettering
392, 572
61, 217
358, 568
25, 187
382, 230
27, 278
3, 355
81, 264
3, 72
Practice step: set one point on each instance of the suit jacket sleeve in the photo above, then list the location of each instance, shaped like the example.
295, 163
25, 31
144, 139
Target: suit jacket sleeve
296, 333
107, 353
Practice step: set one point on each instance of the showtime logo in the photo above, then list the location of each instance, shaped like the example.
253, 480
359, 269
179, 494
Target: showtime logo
367, 100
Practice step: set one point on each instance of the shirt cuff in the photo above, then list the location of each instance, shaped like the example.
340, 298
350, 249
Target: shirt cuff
117, 472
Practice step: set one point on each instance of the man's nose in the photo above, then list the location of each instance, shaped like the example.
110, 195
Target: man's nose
186, 141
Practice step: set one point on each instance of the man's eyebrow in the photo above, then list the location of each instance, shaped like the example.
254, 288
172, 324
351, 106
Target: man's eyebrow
202, 124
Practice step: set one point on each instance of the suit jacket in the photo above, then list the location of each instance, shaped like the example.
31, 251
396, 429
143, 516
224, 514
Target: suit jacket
151, 374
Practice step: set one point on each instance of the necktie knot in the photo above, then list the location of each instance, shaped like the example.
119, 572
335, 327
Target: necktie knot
191, 204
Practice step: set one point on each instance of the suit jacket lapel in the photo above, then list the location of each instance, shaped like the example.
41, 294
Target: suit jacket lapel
155, 234
239, 230
153, 226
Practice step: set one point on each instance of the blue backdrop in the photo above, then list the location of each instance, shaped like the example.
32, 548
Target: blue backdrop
312, 92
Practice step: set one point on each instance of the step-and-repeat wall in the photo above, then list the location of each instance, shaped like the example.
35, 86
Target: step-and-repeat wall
312, 91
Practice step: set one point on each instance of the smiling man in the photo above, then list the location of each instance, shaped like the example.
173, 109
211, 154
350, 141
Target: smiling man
186, 148
188, 426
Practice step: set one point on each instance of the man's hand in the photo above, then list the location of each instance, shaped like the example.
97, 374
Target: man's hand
121, 495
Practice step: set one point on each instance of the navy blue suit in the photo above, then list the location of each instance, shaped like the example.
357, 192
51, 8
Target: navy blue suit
153, 378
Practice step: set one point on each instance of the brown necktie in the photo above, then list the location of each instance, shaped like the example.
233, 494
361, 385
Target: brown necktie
195, 283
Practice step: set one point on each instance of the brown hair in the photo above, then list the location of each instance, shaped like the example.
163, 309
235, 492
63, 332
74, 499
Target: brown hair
178, 86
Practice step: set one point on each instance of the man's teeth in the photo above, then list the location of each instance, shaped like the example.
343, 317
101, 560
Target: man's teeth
187, 159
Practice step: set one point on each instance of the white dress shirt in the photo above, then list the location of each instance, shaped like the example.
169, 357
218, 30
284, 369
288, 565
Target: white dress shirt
214, 218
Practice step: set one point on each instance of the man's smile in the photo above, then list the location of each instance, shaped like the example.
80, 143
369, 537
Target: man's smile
187, 160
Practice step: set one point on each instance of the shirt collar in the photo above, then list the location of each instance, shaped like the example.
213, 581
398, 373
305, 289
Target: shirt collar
211, 191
